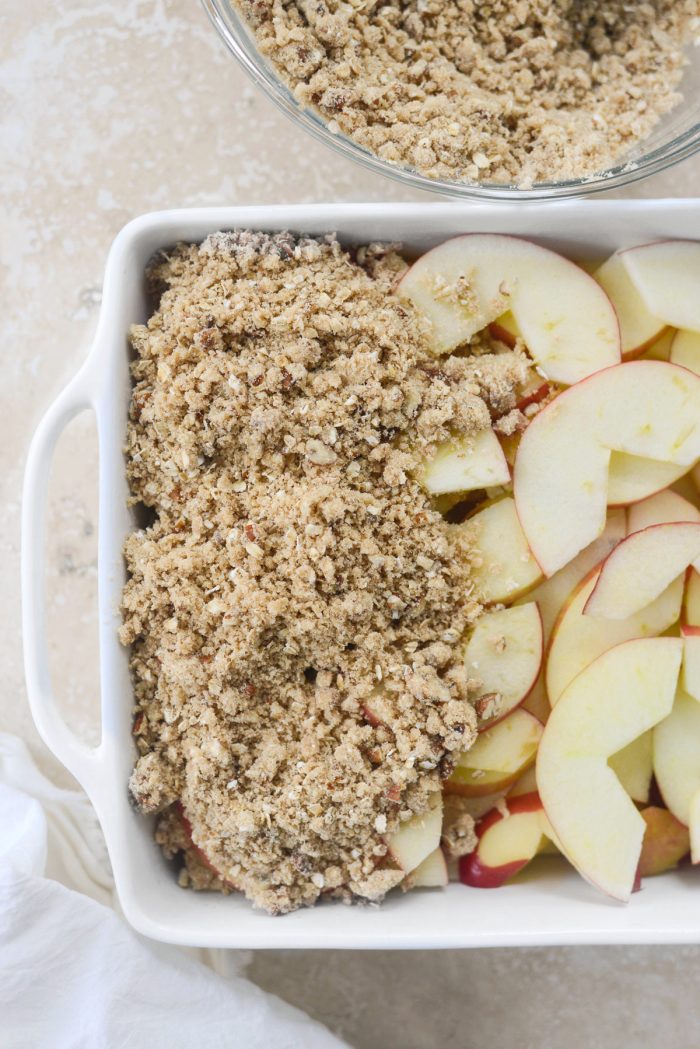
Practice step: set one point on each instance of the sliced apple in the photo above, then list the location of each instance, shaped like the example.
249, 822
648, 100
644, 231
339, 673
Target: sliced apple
464, 464
504, 652
509, 837
667, 276
685, 350
578, 639
633, 767
690, 632
638, 328
503, 567
500, 755
666, 842
661, 349
430, 874
632, 478
505, 328
694, 828
552, 594
663, 508
641, 568
537, 702
418, 837
567, 321
677, 756
625, 692
525, 784
644, 408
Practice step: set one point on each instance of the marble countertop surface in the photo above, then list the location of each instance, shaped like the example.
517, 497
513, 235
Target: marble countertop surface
107, 111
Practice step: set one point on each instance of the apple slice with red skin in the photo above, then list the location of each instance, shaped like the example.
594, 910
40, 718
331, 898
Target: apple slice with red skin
567, 321
666, 274
503, 567
642, 567
666, 842
504, 652
500, 755
685, 350
665, 507
632, 478
509, 836
622, 694
578, 639
643, 408
639, 329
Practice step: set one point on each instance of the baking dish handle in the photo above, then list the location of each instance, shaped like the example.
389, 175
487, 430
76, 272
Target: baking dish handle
78, 757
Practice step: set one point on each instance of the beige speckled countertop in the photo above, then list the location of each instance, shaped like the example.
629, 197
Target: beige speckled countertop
109, 110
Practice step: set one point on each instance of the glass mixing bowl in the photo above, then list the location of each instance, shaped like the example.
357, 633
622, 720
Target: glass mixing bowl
675, 137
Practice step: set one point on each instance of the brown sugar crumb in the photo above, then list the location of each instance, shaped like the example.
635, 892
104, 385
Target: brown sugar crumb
509, 91
294, 572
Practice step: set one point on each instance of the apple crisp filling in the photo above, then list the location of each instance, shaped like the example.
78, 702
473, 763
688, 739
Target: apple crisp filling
297, 604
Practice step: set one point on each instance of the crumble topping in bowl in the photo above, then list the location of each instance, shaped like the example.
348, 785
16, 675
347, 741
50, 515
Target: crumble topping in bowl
500, 92
294, 570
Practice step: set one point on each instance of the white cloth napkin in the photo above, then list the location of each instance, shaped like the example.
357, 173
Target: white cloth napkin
73, 975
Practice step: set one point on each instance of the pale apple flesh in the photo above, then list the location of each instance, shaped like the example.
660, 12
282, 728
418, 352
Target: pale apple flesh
665, 507
566, 320
633, 766
694, 828
500, 755
690, 632
505, 328
624, 693
578, 639
666, 842
685, 350
666, 275
504, 653
632, 478
552, 594
503, 566
644, 408
508, 838
660, 350
642, 567
431, 873
638, 327
465, 464
417, 837
677, 756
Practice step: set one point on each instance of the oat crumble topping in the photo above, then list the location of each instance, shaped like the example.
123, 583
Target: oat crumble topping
293, 569
509, 91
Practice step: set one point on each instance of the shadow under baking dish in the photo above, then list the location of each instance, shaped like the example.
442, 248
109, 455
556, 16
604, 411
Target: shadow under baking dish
548, 905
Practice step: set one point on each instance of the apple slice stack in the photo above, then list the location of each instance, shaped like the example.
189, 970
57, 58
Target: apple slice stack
587, 682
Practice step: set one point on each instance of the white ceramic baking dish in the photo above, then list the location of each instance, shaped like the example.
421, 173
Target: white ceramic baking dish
547, 905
